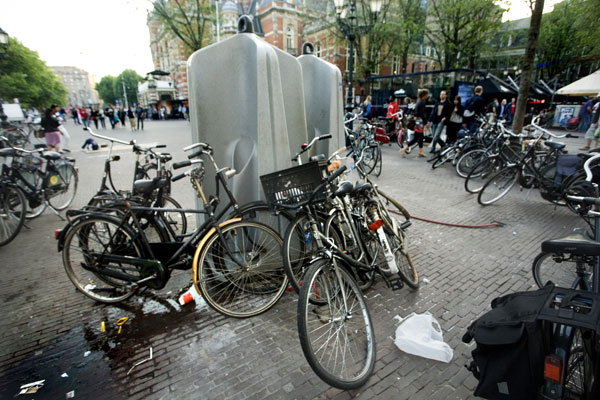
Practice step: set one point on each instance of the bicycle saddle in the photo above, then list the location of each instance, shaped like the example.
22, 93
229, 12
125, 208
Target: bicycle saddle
146, 186
555, 145
51, 155
576, 244
361, 187
344, 189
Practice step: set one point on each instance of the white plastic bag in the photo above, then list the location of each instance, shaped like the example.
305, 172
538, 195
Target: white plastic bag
421, 335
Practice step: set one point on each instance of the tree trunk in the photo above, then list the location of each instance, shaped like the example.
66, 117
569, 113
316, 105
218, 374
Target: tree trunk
534, 31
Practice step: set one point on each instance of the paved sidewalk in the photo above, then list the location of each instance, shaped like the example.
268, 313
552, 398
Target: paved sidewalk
199, 354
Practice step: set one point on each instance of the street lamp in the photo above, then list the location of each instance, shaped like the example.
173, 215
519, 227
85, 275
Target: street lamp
345, 11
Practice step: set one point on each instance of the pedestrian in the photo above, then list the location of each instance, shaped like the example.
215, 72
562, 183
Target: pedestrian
131, 117
116, 118
367, 108
186, 112
503, 109
101, 118
494, 107
455, 121
65, 137
94, 117
122, 117
593, 132
421, 117
140, 113
585, 115
474, 107
75, 115
511, 109
437, 119
51, 124
110, 114
392, 111
84, 117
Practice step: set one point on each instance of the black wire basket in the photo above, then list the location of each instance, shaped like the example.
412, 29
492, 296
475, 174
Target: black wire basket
294, 185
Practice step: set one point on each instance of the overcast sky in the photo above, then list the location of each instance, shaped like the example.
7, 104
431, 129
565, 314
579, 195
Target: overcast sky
103, 37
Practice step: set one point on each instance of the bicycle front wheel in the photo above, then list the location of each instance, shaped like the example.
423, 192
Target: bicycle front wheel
480, 173
239, 272
561, 270
62, 186
372, 159
498, 186
337, 337
176, 220
12, 213
468, 161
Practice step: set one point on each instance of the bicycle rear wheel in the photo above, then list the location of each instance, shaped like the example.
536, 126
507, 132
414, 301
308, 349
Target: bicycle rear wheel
63, 186
86, 246
239, 271
498, 185
337, 338
12, 212
480, 173
176, 220
468, 161
561, 270
371, 154
445, 155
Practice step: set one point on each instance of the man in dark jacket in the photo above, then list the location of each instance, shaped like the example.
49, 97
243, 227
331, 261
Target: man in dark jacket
440, 113
475, 106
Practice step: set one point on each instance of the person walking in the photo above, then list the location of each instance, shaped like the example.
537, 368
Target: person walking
421, 117
110, 114
94, 117
101, 118
503, 109
131, 117
367, 108
75, 115
474, 107
140, 113
123, 117
511, 110
455, 121
440, 113
593, 132
51, 125
392, 111
65, 137
586, 114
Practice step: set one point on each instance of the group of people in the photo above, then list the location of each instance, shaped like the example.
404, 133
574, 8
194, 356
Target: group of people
115, 116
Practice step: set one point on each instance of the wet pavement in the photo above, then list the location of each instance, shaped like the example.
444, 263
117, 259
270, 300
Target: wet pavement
49, 329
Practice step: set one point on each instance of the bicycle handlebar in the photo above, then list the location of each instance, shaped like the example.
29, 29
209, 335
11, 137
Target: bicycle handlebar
536, 126
305, 147
131, 143
182, 164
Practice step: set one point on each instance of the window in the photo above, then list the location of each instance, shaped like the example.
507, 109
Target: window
318, 49
395, 65
289, 38
428, 51
375, 61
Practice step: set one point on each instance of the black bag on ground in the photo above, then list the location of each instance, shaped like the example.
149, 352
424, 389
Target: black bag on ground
511, 344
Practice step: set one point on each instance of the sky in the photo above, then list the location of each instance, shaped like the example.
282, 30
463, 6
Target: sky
105, 37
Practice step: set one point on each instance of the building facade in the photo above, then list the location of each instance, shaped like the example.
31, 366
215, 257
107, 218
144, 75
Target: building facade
80, 85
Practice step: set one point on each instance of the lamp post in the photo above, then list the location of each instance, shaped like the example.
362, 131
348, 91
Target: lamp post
3, 47
346, 19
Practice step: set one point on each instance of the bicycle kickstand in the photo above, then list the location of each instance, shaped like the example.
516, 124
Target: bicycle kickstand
54, 210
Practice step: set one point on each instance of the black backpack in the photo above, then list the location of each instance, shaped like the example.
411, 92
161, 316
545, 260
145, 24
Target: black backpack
511, 345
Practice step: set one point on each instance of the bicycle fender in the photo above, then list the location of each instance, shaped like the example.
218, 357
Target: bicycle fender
201, 245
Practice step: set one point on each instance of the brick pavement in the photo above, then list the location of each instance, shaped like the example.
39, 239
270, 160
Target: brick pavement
198, 353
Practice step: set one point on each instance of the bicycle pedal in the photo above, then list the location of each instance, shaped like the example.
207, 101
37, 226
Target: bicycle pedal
395, 284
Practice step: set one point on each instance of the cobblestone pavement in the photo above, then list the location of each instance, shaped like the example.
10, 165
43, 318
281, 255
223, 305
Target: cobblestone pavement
47, 326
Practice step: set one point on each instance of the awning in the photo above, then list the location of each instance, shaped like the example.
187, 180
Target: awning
588, 86
495, 88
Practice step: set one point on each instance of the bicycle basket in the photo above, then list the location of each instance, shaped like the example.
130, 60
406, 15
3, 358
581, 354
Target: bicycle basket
294, 185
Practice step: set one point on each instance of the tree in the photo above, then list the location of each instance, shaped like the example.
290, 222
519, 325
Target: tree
26, 77
407, 24
460, 29
527, 67
110, 88
189, 20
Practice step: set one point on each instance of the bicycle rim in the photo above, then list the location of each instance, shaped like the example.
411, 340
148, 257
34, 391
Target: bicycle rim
498, 186
240, 273
480, 174
468, 161
561, 270
337, 338
12, 213
61, 194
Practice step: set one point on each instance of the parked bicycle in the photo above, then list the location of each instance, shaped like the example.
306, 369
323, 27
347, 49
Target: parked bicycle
13, 207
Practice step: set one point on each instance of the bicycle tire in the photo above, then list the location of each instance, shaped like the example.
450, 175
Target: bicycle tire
298, 248
13, 207
251, 283
480, 174
406, 268
560, 270
94, 235
259, 211
68, 179
392, 204
468, 161
176, 220
579, 374
443, 157
350, 325
379, 163
503, 181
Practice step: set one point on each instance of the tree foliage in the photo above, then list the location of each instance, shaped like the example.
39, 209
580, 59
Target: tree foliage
110, 88
407, 25
26, 77
460, 29
188, 20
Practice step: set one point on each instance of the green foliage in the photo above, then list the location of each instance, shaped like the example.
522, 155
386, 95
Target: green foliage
460, 29
110, 88
26, 77
188, 20
406, 26
571, 30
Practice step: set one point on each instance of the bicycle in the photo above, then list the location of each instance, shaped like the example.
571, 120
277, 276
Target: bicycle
534, 169
13, 208
363, 145
48, 180
236, 264
573, 265
334, 325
